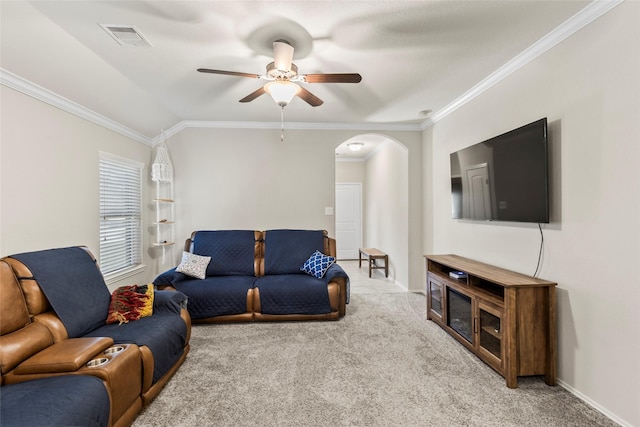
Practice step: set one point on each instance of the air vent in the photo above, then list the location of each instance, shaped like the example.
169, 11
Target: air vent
126, 35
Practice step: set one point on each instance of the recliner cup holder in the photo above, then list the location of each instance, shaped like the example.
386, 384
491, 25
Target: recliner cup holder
114, 349
94, 363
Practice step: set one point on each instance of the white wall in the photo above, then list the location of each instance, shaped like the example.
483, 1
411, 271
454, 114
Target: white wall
248, 179
386, 207
589, 88
350, 171
49, 177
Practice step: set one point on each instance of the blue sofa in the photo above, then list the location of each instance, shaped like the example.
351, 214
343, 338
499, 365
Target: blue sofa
256, 276
53, 313
69, 400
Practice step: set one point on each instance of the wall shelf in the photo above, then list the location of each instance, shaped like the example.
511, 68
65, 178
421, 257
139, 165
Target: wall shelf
163, 205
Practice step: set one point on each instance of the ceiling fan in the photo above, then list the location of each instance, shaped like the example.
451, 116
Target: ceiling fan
283, 78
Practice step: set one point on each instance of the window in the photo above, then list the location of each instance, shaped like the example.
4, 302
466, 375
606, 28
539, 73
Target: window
120, 217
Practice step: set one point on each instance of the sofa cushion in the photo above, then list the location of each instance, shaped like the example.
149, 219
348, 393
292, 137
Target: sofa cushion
286, 250
169, 302
69, 400
194, 265
130, 303
317, 264
216, 296
293, 294
164, 333
74, 286
232, 252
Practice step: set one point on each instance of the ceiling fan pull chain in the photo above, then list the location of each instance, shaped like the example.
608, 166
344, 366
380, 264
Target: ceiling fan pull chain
282, 124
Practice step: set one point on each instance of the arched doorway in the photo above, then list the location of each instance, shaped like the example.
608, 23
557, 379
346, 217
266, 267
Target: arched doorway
380, 169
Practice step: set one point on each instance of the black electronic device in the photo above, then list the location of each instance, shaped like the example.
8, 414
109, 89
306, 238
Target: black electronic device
504, 178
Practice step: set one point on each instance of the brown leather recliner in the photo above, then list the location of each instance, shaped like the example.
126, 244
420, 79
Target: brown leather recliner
35, 344
28, 352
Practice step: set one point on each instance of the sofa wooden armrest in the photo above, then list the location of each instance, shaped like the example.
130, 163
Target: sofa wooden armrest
64, 356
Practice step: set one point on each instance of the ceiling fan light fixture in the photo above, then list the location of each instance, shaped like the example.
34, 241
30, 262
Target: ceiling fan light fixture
282, 91
355, 146
283, 55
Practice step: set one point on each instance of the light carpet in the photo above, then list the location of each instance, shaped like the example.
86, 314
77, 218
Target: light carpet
383, 364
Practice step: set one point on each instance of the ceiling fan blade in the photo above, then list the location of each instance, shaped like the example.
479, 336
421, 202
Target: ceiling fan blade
333, 78
310, 98
282, 55
229, 73
253, 95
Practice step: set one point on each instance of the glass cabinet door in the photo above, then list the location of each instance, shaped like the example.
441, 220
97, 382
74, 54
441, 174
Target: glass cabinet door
490, 342
435, 303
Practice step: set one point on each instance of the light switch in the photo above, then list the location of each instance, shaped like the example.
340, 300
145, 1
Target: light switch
328, 211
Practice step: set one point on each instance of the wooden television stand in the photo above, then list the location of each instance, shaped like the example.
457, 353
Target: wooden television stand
505, 318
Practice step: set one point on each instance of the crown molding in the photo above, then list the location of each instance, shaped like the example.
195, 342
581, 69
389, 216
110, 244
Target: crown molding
578, 21
20, 84
296, 125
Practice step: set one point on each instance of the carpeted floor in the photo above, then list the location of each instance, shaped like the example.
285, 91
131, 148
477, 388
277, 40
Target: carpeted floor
381, 365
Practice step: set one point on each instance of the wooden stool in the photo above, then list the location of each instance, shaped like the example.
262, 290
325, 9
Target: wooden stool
372, 254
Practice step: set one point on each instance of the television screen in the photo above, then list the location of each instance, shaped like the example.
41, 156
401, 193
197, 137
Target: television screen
503, 178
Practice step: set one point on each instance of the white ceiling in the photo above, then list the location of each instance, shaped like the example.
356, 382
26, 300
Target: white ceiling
412, 55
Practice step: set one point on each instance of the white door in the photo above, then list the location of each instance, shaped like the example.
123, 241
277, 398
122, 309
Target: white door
348, 220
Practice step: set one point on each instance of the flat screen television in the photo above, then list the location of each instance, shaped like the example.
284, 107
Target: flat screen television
504, 178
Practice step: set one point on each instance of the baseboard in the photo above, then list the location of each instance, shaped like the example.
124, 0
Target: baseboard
594, 405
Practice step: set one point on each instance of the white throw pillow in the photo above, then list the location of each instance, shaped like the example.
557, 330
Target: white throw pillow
193, 265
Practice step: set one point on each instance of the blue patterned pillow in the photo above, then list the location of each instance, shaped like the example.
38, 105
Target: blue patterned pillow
317, 264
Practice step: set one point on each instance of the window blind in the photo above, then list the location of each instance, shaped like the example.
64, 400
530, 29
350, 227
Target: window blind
120, 214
